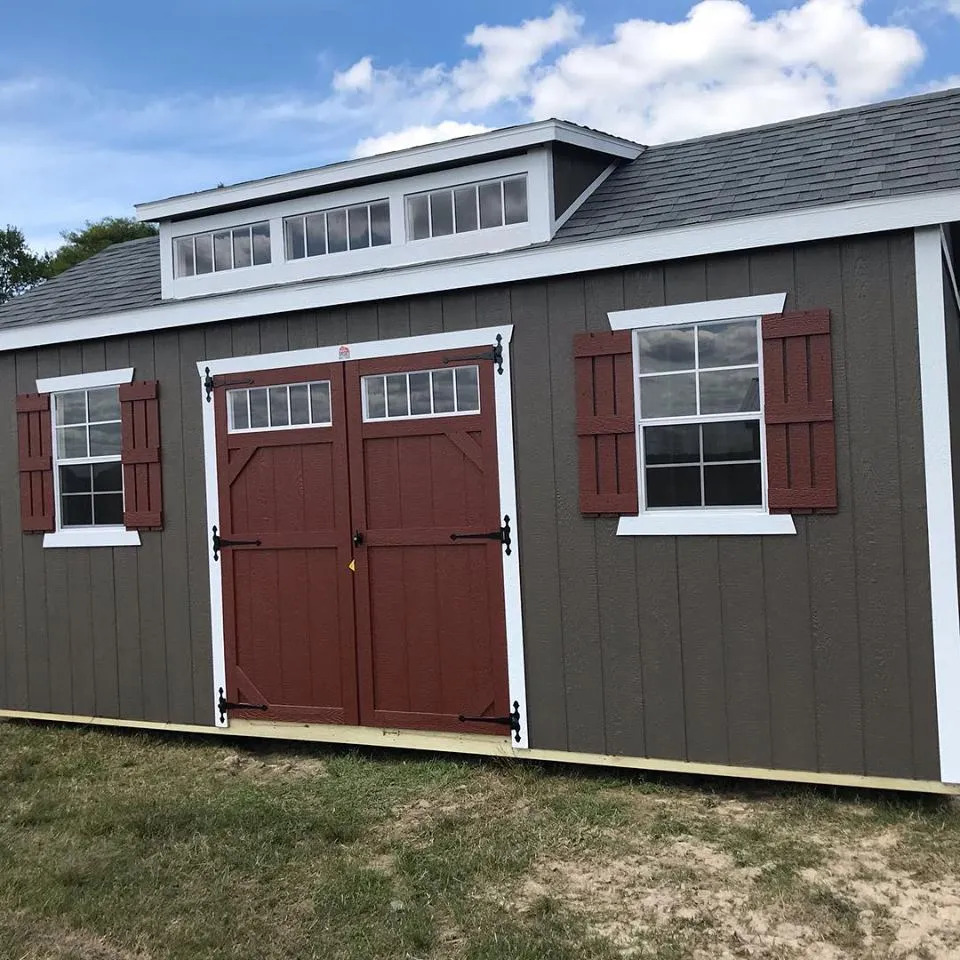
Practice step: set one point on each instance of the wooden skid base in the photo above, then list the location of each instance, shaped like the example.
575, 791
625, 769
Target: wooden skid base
488, 746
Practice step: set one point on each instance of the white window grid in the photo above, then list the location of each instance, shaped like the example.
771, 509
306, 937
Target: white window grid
456, 412
476, 185
328, 422
232, 232
699, 418
59, 461
302, 219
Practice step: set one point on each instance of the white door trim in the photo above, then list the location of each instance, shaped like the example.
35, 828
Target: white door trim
401, 346
938, 475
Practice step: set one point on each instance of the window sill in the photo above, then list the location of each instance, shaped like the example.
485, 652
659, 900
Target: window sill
93, 537
706, 523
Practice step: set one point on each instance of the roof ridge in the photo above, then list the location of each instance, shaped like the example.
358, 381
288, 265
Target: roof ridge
864, 108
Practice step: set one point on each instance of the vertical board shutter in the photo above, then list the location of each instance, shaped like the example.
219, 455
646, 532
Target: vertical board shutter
140, 455
36, 463
798, 410
606, 427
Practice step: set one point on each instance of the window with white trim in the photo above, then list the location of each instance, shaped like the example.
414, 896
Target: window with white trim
700, 400
286, 406
338, 230
467, 207
88, 475
424, 393
219, 250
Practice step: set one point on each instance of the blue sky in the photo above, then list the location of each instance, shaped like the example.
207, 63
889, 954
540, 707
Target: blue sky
106, 104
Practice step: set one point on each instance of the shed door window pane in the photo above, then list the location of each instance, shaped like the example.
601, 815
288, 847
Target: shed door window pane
422, 393
280, 407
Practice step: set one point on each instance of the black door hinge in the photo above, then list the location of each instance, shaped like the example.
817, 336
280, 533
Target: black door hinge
512, 720
495, 353
220, 542
503, 535
223, 705
208, 383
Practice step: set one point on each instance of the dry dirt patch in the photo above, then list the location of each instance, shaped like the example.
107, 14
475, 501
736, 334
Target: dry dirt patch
281, 767
692, 894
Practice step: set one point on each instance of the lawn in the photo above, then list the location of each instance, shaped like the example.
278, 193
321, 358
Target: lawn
125, 846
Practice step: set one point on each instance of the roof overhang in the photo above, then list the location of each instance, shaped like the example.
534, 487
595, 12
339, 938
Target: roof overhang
462, 150
546, 260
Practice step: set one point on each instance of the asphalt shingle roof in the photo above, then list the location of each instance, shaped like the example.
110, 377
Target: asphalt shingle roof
901, 147
881, 150
124, 276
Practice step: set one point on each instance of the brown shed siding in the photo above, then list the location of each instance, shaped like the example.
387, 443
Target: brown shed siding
809, 652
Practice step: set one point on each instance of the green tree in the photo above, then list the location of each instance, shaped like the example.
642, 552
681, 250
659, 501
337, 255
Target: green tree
94, 237
20, 268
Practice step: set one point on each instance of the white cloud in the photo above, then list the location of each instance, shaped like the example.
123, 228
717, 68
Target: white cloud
720, 67
416, 136
359, 77
507, 55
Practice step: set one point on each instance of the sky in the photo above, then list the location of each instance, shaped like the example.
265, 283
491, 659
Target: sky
106, 104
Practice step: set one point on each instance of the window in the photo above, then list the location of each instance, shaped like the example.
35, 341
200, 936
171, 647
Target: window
282, 407
221, 250
425, 393
88, 476
462, 209
334, 231
700, 415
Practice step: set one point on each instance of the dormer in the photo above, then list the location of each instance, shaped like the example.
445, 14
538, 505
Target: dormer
503, 190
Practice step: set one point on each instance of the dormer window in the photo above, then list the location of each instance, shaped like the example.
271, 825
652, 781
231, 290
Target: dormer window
468, 207
222, 250
335, 231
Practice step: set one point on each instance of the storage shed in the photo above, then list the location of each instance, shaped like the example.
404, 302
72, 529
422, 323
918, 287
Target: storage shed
537, 443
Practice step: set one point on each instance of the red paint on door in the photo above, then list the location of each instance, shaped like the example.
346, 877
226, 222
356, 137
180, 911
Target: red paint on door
416, 634
288, 603
431, 627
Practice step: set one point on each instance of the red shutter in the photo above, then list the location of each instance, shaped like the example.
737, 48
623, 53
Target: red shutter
36, 463
140, 454
606, 427
798, 410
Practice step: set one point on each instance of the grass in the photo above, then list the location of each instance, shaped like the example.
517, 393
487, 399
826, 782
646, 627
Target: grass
125, 846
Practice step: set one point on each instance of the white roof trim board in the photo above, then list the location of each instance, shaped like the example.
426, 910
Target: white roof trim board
460, 150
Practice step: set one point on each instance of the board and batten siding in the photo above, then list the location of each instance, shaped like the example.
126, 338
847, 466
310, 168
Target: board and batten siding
807, 652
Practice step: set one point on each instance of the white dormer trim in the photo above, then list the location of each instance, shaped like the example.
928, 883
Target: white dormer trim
536, 164
461, 150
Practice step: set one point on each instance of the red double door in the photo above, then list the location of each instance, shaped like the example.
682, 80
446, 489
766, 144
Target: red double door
353, 596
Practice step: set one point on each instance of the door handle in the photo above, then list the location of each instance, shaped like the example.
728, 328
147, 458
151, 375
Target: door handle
357, 538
